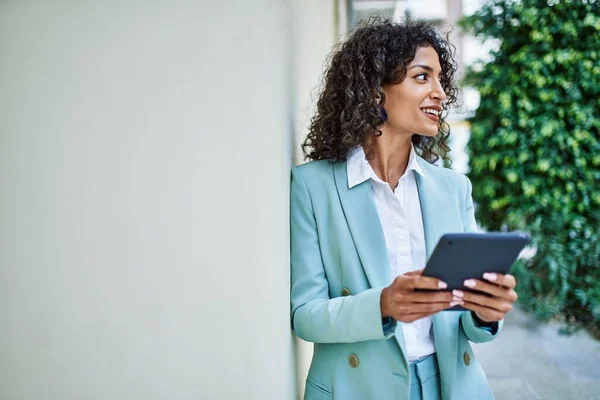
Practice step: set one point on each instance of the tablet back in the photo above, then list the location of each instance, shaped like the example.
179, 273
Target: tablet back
461, 256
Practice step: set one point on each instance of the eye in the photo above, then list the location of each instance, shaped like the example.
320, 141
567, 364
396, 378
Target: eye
422, 77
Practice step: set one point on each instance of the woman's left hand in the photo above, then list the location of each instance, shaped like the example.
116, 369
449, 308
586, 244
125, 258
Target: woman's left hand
489, 308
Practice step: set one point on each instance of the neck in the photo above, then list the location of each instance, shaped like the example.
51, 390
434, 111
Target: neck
391, 152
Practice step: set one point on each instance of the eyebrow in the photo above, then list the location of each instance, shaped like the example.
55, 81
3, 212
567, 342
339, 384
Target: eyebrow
425, 67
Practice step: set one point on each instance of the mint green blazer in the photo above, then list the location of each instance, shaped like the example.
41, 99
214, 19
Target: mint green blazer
339, 265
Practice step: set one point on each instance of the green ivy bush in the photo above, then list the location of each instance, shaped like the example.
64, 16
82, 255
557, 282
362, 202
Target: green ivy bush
535, 148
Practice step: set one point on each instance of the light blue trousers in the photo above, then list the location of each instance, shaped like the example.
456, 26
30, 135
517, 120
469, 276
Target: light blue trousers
425, 379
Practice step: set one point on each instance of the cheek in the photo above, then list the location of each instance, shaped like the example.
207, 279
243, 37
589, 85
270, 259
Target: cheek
408, 101
403, 106
405, 112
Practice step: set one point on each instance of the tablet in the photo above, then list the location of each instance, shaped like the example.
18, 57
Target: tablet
461, 256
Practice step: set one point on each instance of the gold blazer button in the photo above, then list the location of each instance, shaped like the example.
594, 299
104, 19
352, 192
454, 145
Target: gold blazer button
467, 358
353, 360
345, 292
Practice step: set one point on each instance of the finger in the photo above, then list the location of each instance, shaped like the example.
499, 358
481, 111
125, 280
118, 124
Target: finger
423, 308
494, 303
507, 280
426, 282
427, 297
488, 313
492, 288
414, 273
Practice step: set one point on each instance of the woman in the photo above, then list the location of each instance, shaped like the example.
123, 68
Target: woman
366, 213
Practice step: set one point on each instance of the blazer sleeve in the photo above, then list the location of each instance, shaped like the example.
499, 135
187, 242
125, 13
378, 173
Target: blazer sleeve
473, 332
315, 316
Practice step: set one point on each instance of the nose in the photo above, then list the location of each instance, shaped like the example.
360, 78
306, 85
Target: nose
437, 91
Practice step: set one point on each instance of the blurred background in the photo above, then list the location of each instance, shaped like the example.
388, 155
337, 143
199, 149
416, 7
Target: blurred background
145, 151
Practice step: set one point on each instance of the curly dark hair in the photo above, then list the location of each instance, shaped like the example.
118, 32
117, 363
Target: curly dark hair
376, 54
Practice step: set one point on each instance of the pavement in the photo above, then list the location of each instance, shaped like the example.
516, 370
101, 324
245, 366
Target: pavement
531, 361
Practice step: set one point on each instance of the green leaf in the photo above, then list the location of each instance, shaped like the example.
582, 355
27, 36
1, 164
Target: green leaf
534, 151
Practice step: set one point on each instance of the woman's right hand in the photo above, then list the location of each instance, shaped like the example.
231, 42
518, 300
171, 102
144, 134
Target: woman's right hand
403, 302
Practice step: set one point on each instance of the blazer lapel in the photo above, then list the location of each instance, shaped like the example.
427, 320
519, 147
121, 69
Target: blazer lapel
363, 221
432, 205
367, 233
444, 325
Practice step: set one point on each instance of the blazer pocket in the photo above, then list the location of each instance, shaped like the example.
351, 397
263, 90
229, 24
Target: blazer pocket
316, 391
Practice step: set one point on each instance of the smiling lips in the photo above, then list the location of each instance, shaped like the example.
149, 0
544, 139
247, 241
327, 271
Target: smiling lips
433, 113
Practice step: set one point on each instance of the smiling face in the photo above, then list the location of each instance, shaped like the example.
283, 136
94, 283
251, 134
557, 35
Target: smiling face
413, 105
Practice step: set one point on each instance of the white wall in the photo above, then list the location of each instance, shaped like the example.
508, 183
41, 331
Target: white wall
144, 171
316, 29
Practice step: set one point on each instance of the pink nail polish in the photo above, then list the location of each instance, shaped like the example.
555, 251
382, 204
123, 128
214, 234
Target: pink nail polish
458, 293
469, 283
490, 276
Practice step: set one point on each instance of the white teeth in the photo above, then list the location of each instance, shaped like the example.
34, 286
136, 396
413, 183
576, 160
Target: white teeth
431, 111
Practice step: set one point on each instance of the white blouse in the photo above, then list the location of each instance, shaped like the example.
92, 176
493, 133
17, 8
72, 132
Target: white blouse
401, 219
